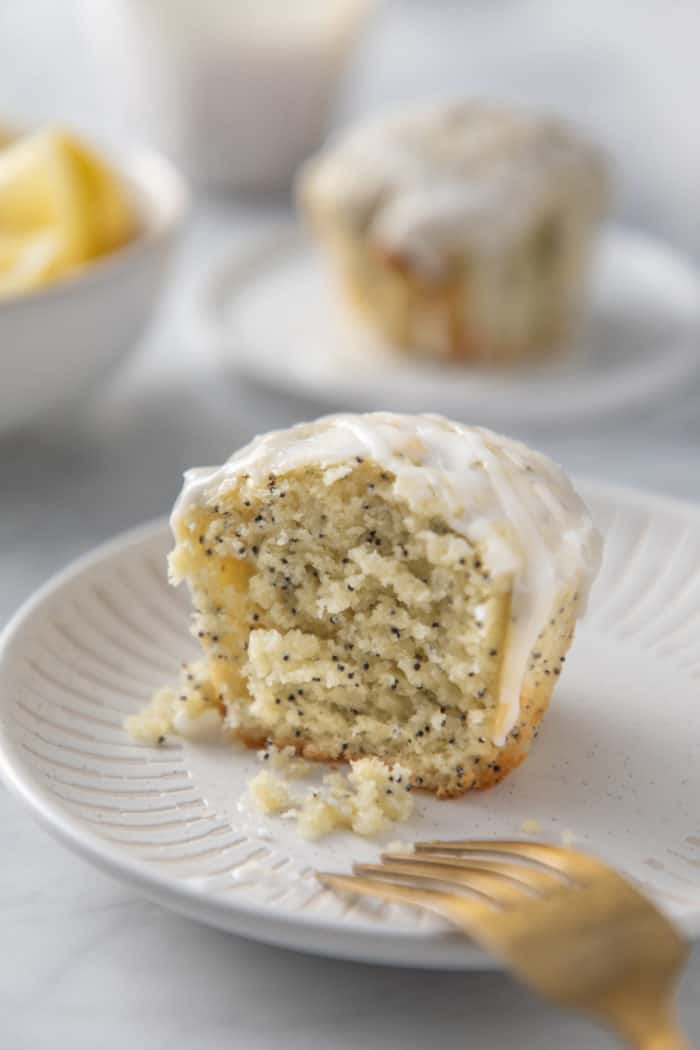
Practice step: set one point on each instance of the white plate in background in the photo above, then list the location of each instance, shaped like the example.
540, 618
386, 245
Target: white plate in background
271, 311
616, 761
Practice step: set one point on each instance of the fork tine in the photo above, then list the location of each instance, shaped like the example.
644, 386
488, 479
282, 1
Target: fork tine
533, 879
433, 900
570, 862
490, 887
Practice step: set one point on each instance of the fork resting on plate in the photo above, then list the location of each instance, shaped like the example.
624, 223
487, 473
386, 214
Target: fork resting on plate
564, 923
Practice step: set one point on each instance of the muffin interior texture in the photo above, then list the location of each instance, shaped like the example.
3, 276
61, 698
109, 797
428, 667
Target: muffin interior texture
337, 620
401, 588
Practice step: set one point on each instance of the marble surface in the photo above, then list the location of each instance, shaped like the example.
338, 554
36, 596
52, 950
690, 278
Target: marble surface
85, 963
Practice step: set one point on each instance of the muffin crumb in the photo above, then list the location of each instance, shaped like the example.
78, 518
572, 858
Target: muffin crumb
269, 793
366, 800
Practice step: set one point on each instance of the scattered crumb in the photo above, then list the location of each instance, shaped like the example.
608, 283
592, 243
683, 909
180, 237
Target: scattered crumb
149, 725
190, 710
365, 800
286, 761
567, 837
269, 793
318, 817
531, 827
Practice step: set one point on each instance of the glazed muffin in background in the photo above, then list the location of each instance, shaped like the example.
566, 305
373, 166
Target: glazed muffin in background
460, 230
397, 587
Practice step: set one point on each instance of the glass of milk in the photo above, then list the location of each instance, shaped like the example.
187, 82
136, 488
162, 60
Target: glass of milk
237, 92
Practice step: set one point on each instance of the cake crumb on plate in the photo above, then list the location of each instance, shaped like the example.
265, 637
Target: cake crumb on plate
365, 800
531, 827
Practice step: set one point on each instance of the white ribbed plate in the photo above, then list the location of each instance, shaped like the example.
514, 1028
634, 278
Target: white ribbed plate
617, 761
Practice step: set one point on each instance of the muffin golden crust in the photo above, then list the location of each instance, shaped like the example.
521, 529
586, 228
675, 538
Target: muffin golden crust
396, 587
460, 230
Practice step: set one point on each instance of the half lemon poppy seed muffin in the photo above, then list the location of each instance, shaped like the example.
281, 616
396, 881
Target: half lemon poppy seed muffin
401, 587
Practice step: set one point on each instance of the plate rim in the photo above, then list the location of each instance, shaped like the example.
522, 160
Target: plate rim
330, 937
271, 244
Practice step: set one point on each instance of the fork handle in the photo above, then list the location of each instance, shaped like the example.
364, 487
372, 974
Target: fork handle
649, 1025
670, 1038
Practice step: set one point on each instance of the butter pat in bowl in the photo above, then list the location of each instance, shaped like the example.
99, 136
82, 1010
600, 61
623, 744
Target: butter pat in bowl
84, 246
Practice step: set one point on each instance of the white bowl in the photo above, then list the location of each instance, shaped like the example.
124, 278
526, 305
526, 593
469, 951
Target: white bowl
56, 342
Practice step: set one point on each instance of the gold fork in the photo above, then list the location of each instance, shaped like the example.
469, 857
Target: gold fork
563, 922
